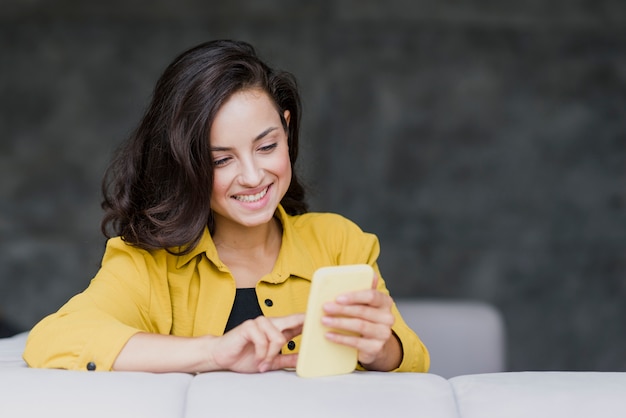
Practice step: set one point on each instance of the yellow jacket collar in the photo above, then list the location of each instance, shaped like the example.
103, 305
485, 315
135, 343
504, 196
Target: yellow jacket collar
293, 259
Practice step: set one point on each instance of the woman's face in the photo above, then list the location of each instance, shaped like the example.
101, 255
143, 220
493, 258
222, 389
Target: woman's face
250, 156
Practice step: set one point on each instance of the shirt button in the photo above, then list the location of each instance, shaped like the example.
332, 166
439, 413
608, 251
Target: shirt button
91, 366
269, 302
291, 345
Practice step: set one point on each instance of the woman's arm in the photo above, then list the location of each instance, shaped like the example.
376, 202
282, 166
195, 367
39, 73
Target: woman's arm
253, 346
383, 340
91, 328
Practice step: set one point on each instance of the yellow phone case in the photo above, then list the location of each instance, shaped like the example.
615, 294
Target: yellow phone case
318, 356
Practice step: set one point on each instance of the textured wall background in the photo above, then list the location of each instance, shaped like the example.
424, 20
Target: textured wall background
484, 142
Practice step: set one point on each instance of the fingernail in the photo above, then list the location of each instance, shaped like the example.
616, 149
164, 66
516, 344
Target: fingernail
263, 367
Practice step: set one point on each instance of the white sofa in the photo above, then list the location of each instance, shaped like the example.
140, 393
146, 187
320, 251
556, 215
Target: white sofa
488, 393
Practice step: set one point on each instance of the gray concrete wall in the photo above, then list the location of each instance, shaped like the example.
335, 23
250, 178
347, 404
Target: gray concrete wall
484, 142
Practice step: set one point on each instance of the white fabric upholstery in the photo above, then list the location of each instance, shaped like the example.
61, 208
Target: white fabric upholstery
11, 351
28, 392
462, 337
541, 395
284, 394
455, 333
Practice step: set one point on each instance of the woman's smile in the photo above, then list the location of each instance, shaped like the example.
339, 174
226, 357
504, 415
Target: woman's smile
252, 198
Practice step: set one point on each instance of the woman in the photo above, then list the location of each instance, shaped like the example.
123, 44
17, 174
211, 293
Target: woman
214, 250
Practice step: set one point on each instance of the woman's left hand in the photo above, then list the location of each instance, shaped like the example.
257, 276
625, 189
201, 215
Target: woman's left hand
367, 316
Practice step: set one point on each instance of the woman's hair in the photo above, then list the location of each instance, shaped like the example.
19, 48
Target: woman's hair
157, 189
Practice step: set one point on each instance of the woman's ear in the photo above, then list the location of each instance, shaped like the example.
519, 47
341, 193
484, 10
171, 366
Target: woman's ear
287, 116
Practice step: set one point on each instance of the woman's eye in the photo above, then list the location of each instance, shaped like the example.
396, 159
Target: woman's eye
220, 162
270, 147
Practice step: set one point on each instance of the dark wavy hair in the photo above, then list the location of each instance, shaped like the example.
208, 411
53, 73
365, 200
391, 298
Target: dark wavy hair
157, 189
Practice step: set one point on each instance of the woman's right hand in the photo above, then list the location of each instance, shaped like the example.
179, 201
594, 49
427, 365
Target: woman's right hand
254, 346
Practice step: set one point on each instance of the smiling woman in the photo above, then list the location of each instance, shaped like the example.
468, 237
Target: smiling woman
158, 188
211, 248
251, 159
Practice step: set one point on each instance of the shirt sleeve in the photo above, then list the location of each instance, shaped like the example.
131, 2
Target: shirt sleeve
90, 330
415, 356
356, 246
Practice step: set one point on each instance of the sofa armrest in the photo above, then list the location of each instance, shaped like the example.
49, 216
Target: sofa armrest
462, 337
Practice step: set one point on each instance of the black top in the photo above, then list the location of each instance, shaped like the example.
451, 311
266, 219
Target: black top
246, 306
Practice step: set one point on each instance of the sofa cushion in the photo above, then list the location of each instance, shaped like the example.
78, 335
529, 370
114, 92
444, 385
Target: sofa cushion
70, 394
284, 394
541, 394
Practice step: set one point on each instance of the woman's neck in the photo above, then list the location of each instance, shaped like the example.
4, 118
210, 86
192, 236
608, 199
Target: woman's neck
249, 253
236, 237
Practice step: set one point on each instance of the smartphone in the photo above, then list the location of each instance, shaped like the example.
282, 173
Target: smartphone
318, 356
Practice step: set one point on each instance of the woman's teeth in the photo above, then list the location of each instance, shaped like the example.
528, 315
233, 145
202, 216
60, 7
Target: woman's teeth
251, 197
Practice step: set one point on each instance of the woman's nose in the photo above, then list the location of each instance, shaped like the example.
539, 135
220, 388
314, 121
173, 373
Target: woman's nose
251, 174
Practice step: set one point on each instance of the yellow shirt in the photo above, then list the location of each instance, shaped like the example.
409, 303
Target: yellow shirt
192, 295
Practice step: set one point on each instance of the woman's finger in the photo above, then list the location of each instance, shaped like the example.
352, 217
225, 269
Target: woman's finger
277, 331
375, 281
289, 324
360, 327
375, 314
370, 297
368, 349
273, 337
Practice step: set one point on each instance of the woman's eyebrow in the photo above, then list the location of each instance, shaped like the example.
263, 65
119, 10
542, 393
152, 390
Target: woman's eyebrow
257, 138
264, 133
